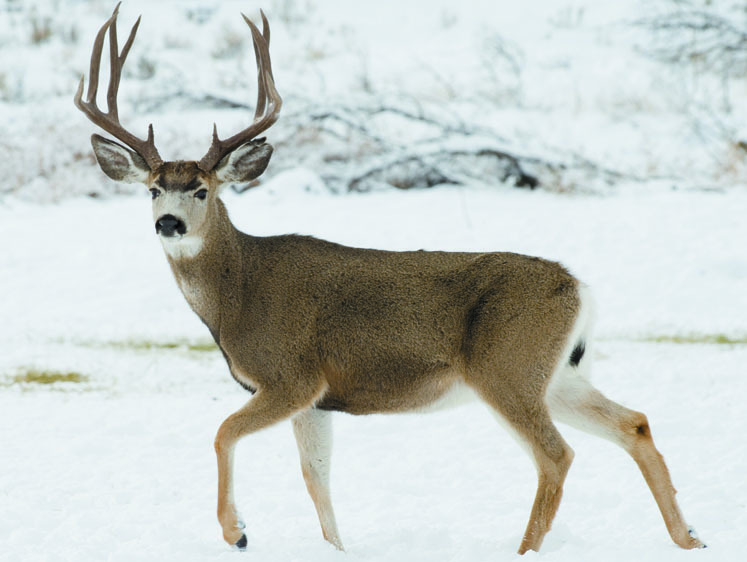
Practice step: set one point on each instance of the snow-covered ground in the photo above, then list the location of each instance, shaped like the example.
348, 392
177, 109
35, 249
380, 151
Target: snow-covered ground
120, 466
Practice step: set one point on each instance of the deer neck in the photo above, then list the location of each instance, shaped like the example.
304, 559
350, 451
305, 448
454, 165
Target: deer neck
208, 278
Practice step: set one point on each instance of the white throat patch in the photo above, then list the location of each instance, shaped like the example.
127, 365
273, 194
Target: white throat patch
182, 247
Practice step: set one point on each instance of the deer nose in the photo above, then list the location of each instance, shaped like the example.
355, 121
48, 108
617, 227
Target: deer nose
168, 225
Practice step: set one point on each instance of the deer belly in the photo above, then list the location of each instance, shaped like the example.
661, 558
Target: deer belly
389, 395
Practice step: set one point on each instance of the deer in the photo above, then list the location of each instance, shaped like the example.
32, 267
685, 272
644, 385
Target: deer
311, 327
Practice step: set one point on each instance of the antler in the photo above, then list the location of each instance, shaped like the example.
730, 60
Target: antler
109, 121
269, 101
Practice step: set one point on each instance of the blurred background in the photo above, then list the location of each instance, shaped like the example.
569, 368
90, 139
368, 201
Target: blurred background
567, 96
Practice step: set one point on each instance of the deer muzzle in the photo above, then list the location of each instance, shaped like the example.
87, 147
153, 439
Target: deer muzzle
169, 225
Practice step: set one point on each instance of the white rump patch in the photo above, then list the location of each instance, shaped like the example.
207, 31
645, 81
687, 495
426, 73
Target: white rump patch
570, 386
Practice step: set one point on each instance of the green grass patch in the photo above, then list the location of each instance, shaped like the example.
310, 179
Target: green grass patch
200, 346
178, 345
709, 339
45, 377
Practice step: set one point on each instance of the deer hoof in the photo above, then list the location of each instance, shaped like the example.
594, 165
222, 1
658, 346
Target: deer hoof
241, 543
694, 540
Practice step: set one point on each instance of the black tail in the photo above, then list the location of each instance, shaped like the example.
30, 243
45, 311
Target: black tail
578, 353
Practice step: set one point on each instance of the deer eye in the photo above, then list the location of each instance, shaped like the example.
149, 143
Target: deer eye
154, 193
201, 194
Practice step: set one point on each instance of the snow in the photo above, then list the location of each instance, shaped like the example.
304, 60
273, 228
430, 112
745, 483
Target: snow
120, 466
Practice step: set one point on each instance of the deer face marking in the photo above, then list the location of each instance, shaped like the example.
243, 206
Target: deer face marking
182, 196
184, 193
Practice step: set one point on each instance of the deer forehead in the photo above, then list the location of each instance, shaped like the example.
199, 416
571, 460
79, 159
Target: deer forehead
180, 177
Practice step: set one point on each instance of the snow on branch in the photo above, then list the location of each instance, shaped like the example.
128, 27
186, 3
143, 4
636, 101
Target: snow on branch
369, 144
716, 40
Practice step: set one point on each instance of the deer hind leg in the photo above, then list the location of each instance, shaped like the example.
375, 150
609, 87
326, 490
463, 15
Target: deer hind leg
265, 408
313, 431
572, 400
530, 423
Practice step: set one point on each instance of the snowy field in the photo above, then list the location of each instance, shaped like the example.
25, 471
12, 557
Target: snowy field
120, 466
111, 391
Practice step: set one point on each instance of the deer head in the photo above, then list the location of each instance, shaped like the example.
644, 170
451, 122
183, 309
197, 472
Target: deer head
183, 192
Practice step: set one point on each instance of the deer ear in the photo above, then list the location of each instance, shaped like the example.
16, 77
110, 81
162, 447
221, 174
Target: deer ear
245, 163
118, 162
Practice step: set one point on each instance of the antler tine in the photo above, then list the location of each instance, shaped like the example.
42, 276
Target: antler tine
269, 101
109, 121
117, 62
115, 71
98, 45
265, 27
261, 94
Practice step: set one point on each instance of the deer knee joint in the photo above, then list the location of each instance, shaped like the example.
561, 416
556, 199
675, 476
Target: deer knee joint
223, 439
641, 427
568, 456
643, 430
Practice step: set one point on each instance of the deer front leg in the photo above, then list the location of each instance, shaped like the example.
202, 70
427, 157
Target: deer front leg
266, 408
313, 431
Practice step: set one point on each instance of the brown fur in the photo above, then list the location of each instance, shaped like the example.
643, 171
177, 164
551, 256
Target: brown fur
179, 176
380, 329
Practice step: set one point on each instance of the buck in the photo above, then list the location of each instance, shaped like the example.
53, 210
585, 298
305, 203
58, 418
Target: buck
310, 327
